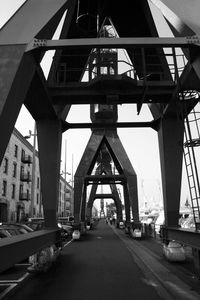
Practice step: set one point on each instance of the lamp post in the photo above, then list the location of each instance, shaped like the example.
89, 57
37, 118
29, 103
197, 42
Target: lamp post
34, 134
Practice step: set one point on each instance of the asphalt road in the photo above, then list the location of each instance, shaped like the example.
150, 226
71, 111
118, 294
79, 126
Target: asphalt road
103, 265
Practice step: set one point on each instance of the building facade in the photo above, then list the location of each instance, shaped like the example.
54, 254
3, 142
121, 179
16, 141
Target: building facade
20, 186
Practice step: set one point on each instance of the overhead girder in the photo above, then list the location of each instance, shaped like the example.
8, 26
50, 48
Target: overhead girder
102, 196
126, 90
127, 27
152, 124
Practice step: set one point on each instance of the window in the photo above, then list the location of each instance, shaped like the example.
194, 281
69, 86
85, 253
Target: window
37, 198
22, 170
28, 194
4, 188
21, 189
16, 151
5, 169
38, 182
15, 169
23, 154
13, 191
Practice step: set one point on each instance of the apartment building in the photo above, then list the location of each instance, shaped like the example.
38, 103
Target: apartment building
20, 186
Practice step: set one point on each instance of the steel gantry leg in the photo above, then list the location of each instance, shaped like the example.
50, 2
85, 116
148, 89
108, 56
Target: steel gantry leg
171, 156
129, 172
49, 144
84, 167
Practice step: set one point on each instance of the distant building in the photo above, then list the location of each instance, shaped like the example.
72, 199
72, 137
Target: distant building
65, 205
16, 179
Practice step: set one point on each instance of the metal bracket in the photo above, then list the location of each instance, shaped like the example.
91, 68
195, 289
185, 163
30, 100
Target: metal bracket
194, 39
39, 43
36, 43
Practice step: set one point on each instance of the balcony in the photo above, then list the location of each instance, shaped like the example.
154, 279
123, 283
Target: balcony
24, 197
67, 204
67, 196
26, 177
26, 159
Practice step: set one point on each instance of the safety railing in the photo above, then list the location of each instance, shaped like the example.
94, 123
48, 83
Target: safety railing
143, 66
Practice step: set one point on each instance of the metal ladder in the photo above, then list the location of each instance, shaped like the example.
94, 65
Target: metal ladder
192, 123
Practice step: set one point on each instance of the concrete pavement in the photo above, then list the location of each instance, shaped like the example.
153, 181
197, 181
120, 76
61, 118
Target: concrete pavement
104, 265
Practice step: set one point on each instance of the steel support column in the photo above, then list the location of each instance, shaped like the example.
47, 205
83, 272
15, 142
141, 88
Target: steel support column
83, 207
82, 171
170, 136
14, 85
129, 173
49, 145
127, 205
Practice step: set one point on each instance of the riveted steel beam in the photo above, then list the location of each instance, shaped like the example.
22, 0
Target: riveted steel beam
153, 124
102, 196
114, 43
185, 236
105, 179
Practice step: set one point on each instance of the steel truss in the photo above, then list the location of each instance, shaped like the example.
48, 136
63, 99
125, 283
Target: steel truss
29, 34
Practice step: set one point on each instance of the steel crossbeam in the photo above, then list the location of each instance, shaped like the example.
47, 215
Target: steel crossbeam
114, 43
21, 246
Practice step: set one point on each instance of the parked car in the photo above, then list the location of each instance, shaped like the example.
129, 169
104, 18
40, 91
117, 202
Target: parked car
38, 224
9, 231
23, 228
35, 225
174, 251
66, 225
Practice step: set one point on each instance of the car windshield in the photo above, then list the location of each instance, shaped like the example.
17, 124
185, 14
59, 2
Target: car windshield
3, 233
12, 231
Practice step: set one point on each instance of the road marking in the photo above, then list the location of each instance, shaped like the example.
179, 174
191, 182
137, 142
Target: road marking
68, 243
7, 290
7, 281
